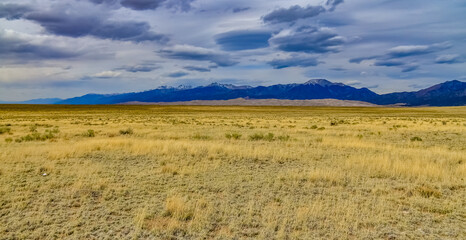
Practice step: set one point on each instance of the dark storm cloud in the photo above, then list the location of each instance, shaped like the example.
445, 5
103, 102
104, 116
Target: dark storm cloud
294, 62
186, 52
177, 74
243, 40
14, 47
309, 40
197, 69
139, 68
286, 15
13, 11
75, 24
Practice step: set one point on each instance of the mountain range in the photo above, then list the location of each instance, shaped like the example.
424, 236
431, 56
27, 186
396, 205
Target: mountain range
450, 93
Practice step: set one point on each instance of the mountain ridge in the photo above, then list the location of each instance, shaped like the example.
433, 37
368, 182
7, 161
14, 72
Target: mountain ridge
449, 93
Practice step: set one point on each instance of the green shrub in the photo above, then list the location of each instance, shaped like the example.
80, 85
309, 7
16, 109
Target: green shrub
235, 136
283, 138
314, 127
414, 139
89, 133
8, 140
259, 136
127, 131
33, 128
4, 130
198, 136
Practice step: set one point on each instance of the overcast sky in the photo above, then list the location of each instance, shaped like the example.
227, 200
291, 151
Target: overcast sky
66, 48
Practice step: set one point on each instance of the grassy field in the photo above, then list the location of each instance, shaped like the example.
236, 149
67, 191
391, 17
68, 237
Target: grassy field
173, 172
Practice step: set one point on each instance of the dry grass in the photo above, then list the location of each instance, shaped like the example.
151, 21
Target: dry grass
153, 172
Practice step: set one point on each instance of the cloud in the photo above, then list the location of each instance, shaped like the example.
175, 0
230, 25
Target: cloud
107, 74
286, 15
142, 4
392, 58
308, 40
13, 11
240, 9
146, 67
177, 74
74, 23
243, 40
15, 46
338, 69
180, 5
414, 50
294, 62
448, 59
389, 63
353, 82
197, 69
188, 52
332, 4
410, 68
104, 1
361, 59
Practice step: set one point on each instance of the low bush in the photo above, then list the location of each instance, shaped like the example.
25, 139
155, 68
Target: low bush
235, 136
127, 131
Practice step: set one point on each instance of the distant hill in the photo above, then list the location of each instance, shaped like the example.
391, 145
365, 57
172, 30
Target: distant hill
451, 93
36, 101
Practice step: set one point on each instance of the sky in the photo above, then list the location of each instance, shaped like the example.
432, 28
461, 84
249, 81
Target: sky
68, 48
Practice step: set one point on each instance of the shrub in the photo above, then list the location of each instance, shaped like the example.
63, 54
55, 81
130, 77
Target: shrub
259, 136
127, 131
416, 138
235, 136
198, 136
4, 130
36, 137
283, 138
89, 133
33, 128
321, 128
314, 127
8, 140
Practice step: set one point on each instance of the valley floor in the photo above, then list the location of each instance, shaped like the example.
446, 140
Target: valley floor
199, 172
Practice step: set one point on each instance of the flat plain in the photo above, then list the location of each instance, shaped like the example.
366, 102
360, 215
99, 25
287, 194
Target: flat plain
225, 172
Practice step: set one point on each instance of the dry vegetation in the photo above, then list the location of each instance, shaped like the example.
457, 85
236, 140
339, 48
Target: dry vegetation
153, 172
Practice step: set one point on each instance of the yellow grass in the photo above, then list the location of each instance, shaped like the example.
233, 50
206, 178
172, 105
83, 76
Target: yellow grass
152, 172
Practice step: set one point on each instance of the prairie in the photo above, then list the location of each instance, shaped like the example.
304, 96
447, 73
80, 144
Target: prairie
225, 172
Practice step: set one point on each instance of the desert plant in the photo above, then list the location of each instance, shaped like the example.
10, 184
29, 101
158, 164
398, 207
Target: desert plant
235, 136
198, 136
416, 139
89, 133
4, 130
127, 131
